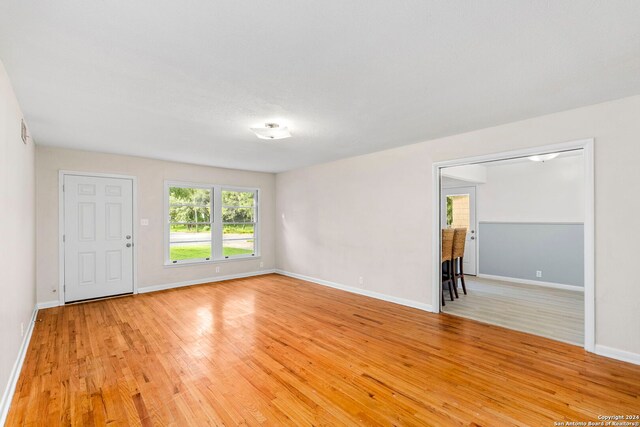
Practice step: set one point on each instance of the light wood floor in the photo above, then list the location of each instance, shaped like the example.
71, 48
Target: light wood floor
273, 350
549, 312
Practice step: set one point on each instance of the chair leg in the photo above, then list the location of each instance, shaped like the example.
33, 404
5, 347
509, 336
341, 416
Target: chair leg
442, 283
454, 281
464, 287
450, 279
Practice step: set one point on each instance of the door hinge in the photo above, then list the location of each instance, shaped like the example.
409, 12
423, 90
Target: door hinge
63, 188
64, 238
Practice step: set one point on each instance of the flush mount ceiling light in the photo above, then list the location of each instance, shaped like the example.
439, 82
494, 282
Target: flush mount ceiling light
272, 131
543, 157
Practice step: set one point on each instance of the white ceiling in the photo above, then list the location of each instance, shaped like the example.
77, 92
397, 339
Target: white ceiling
184, 80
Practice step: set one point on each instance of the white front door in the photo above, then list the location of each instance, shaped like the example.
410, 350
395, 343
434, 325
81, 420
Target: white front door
458, 210
98, 237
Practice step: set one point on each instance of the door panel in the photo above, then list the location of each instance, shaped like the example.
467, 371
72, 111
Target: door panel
86, 222
87, 268
113, 221
98, 226
458, 210
114, 265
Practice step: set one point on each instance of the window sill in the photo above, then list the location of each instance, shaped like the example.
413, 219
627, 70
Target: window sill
211, 261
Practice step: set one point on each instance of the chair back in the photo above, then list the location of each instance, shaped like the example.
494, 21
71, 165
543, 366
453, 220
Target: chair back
447, 244
459, 239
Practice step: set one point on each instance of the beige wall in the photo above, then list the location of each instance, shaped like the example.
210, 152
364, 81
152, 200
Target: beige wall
151, 175
17, 232
552, 191
371, 215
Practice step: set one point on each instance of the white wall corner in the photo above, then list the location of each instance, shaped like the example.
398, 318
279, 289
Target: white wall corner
7, 395
371, 294
48, 304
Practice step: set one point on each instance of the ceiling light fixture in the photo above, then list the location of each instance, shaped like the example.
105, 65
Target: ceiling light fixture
272, 131
543, 157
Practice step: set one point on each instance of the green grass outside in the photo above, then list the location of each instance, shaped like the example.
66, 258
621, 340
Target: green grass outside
202, 251
183, 228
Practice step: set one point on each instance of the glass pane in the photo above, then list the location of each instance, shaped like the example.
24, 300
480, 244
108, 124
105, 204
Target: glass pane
238, 215
232, 248
193, 196
189, 250
458, 211
190, 228
238, 198
237, 231
189, 214
189, 232
203, 214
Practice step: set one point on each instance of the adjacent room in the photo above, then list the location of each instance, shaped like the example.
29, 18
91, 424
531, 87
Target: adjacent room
516, 231
333, 213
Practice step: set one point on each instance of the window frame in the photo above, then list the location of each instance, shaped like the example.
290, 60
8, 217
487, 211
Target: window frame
216, 234
255, 220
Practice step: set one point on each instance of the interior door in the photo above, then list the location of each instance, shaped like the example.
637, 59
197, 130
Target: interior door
98, 237
458, 210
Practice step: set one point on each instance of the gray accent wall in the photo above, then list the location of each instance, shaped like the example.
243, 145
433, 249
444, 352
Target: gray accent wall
518, 250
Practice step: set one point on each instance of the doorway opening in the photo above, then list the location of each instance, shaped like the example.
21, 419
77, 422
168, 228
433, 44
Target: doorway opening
458, 210
523, 253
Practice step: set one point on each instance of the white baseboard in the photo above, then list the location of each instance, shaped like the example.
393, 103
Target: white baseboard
48, 304
372, 294
7, 396
532, 282
202, 281
614, 353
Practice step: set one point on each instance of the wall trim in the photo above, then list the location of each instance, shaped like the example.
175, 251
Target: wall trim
165, 286
48, 304
7, 396
202, 281
532, 282
533, 222
353, 290
614, 353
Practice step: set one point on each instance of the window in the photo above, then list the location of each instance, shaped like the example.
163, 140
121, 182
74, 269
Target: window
458, 211
209, 223
238, 222
190, 224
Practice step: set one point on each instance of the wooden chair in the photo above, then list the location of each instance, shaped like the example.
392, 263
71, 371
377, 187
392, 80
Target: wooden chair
459, 239
447, 261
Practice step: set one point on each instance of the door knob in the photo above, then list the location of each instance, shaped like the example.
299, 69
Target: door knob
473, 238
128, 237
128, 245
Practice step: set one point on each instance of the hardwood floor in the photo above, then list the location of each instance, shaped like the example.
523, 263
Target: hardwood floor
273, 350
549, 312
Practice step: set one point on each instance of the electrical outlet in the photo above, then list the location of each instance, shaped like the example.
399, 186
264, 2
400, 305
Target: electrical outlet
144, 221
360, 280
261, 264
217, 269
22, 329
538, 273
